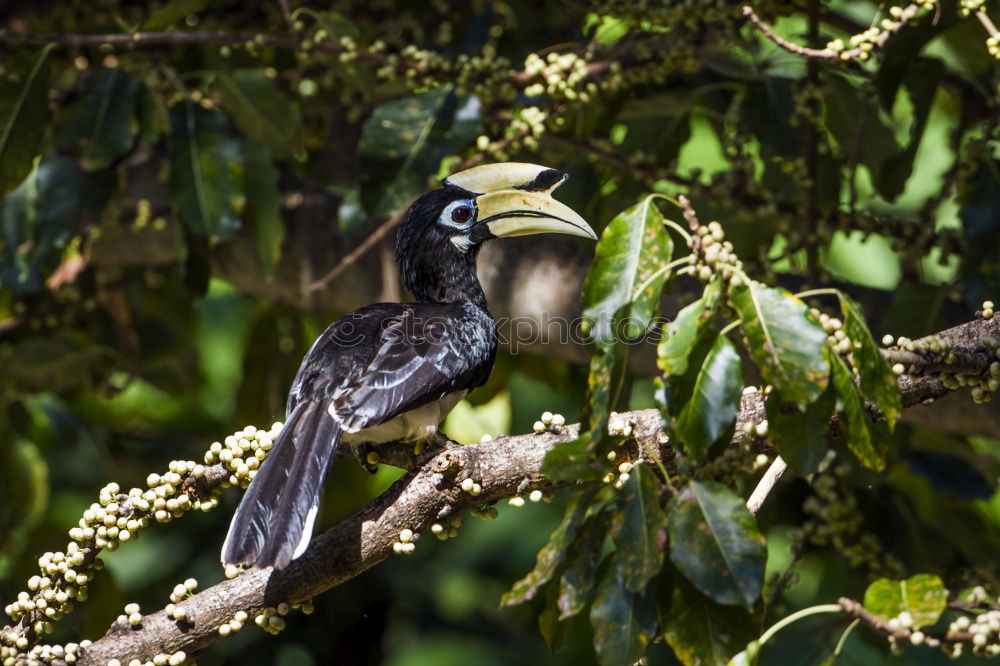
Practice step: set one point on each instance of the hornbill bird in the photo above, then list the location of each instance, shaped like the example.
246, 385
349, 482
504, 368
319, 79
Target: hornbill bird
393, 371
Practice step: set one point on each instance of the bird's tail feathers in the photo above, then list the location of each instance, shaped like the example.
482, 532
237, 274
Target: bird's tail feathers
274, 521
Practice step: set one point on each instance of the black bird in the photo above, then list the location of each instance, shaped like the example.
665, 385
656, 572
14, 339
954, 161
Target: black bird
393, 371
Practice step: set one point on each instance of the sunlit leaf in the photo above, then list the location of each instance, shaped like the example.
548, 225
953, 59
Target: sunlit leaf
554, 552
714, 541
99, 130
260, 109
680, 335
878, 381
622, 288
855, 417
707, 396
24, 493
923, 596
624, 622
404, 141
784, 341
641, 537
748, 657
24, 112
206, 165
702, 632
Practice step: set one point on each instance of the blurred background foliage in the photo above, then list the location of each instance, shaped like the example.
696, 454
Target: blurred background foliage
167, 208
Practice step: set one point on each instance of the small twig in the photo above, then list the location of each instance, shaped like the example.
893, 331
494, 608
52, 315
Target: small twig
856, 609
991, 28
766, 484
860, 51
358, 252
286, 12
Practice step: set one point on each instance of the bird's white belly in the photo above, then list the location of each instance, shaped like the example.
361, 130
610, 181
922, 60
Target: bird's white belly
415, 425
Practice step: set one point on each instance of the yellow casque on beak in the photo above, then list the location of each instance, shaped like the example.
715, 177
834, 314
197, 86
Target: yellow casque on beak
518, 212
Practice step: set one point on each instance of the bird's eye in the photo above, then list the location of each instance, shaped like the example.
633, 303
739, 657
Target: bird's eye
461, 214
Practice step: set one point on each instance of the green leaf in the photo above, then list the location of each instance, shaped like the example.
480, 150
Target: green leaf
624, 622
260, 181
551, 624
854, 120
206, 164
24, 114
701, 632
578, 578
800, 433
681, 334
858, 434
922, 79
714, 541
641, 538
37, 220
171, 13
404, 141
784, 341
923, 596
707, 398
24, 491
260, 109
554, 552
99, 129
622, 287
878, 381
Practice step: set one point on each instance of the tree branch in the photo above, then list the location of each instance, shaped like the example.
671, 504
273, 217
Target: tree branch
429, 493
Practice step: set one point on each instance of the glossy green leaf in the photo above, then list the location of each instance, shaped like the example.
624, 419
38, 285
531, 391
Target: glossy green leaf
577, 581
263, 204
622, 287
681, 334
923, 596
854, 416
172, 12
404, 141
714, 541
554, 552
206, 169
784, 341
260, 109
701, 632
99, 130
707, 397
624, 622
878, 381
24, 112
800, 433
641, 537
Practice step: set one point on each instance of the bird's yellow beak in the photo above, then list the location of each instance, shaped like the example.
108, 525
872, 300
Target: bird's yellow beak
515, 199
507, 213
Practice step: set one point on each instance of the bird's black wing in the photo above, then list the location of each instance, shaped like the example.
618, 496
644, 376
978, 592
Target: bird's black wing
366, 368
423, 353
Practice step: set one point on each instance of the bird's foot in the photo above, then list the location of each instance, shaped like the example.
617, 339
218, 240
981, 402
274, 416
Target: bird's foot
440, 442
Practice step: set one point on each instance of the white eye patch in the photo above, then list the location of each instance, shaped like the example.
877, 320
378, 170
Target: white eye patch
458, 214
